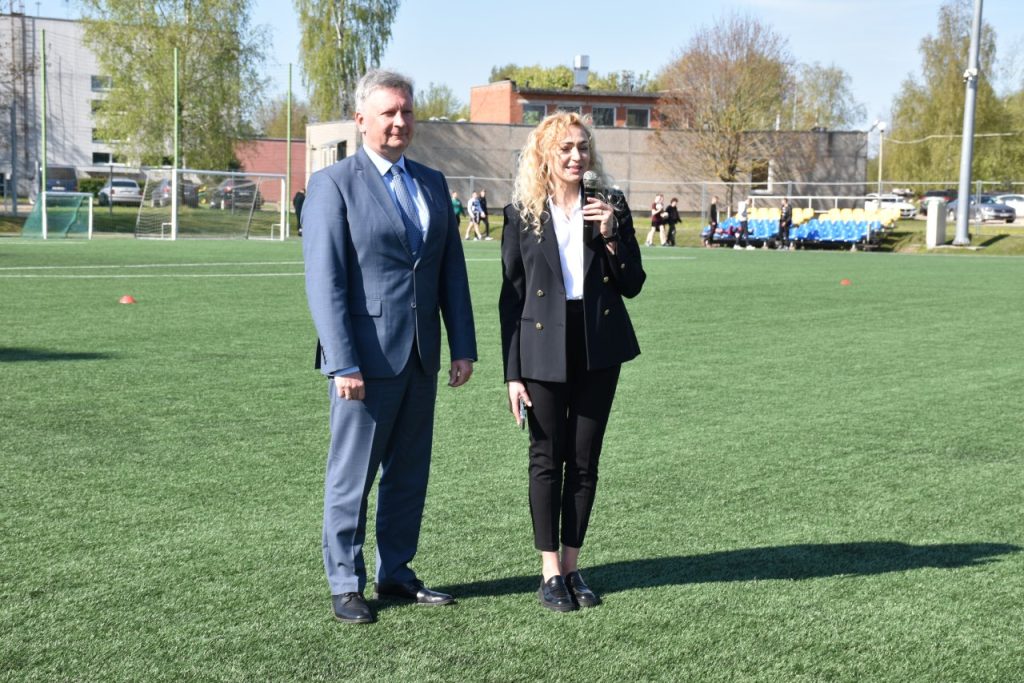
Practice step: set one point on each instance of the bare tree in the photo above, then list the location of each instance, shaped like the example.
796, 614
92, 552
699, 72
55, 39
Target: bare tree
728, 83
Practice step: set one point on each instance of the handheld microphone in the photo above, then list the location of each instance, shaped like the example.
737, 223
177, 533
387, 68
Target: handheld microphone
590, 180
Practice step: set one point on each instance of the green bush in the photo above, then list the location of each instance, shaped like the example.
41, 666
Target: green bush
91, 185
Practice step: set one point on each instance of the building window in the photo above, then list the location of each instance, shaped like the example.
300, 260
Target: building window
761, 175
101, 157
570, 109
96, 106
101, 83
603, 116
638, 118
96, 136
533, 113
341, 150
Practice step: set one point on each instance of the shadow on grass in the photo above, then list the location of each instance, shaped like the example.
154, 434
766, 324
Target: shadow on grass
15, 354
992, 240
805, 561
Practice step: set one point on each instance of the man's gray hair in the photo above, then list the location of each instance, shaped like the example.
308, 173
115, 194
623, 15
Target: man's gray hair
377, 79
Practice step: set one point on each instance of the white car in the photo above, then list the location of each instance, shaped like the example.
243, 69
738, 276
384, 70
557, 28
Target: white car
1014, 201
891, 201
120, 191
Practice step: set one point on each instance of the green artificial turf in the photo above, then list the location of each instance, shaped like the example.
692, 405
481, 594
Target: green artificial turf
801, 481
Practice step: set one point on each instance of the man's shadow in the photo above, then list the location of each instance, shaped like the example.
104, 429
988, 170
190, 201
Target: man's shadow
804, 561
19, 354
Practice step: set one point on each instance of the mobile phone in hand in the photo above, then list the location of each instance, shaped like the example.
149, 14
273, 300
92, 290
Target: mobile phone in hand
522, 413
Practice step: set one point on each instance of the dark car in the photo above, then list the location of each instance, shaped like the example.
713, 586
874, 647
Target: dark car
946, 195
232, 193
188, 193
983, 208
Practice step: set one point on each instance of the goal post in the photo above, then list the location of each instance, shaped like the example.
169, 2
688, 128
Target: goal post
193, 203
66, 214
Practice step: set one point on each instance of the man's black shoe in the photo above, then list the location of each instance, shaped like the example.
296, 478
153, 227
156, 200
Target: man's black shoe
351, 608
411, 590
580, 591
554, 595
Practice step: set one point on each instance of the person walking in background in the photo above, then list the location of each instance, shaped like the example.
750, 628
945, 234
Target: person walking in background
383, 263
785, 223
742, 211
474, 216
458, 209
483, 215
297, 201
566, 266
671, 220
657, 209
712, 222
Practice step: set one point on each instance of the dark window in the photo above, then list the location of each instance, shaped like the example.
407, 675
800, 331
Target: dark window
342, 150
603, 116
101, 157
569, 108
638, 118
101, 83
533, 113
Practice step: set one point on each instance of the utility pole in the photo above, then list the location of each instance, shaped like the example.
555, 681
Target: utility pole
963, 202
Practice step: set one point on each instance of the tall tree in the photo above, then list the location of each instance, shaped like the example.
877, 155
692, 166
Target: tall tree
928, 114
727, 83
220, 55
272, 118
438, 100
823, 99
341, 40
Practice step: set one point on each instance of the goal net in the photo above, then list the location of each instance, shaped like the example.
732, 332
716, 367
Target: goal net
68, 214
212, 204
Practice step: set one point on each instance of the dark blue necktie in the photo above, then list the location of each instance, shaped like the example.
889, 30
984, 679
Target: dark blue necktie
407, 208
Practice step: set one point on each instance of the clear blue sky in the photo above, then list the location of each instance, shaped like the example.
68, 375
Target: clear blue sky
456, 42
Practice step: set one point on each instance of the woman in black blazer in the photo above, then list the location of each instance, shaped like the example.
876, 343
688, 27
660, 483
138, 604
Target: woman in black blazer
566, 266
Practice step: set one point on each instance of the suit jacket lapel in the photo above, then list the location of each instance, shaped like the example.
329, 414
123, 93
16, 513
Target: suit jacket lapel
375, 185
549, 245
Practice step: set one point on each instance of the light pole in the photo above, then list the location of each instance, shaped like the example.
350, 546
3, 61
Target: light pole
881, 147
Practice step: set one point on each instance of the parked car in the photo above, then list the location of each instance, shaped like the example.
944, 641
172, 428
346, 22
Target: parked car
983, 208
946, 195
58, 179
1014, 201
234, 193
188, 193
120, 191
892, 201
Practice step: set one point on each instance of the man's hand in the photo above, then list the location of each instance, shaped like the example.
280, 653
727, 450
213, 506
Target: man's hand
350, 387
460, 372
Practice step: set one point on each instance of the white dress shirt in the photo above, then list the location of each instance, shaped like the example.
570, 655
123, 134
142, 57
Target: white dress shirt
569, 233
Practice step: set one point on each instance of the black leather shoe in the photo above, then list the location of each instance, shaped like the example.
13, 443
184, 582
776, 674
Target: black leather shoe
554, 595
351, 608
411, 590
580, 591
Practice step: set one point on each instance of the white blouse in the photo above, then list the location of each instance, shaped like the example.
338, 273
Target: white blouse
569, 233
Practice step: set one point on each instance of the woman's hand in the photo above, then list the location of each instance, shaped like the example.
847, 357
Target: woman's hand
602, 214
517, 390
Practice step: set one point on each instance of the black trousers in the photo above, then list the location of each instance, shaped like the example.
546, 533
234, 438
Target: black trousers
567, 426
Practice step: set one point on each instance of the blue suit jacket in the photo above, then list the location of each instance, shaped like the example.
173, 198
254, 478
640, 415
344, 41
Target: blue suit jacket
370, 300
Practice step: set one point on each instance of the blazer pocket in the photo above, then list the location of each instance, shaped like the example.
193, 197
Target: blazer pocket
370, 307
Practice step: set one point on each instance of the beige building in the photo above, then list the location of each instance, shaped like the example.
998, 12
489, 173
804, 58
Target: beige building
641, 162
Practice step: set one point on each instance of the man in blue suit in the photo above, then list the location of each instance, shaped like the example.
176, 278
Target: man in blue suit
383, 258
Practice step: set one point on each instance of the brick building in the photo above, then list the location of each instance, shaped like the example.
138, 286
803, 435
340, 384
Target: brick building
269, 155
506, 102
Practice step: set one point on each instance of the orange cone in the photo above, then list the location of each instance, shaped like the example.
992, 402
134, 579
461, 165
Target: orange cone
126, 299
845, 282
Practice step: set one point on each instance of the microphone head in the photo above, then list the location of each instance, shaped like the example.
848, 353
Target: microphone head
590, 180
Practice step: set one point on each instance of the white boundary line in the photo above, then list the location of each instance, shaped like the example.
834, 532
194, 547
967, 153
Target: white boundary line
158, 265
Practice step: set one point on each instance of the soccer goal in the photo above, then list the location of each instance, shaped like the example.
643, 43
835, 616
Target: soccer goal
67, 214
190, 203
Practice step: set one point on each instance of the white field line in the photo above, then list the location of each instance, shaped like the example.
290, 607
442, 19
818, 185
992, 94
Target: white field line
157, 265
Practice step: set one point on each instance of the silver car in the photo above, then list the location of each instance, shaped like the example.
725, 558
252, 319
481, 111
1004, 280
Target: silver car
1014, 201
983, 208
120, 191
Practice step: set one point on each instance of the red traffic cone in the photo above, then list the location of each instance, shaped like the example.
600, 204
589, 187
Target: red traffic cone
845, 282
126, 299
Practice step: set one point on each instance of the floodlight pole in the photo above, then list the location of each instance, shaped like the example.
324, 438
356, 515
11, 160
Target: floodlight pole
42, 174
286, 195
963, 203
174, 168
881, 146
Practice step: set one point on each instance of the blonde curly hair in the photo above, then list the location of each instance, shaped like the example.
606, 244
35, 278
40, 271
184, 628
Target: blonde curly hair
533, 182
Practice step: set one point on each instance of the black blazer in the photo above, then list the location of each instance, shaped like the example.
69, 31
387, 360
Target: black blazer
532, 302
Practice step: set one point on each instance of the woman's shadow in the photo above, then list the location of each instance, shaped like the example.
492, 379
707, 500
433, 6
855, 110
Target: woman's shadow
803, 561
